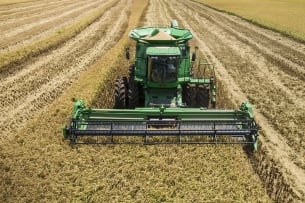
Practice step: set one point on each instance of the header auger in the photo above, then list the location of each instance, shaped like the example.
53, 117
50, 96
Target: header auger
168, 97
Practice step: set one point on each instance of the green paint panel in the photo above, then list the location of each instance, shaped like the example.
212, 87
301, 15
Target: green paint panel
83, 113
173, 51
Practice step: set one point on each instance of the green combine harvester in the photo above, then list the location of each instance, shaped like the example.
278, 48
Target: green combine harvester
168, 97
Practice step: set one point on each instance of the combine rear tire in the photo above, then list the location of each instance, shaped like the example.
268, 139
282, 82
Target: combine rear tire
131, 71
121, 93
190, 95
203, 96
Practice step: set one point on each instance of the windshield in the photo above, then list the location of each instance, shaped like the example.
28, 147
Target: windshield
162, 69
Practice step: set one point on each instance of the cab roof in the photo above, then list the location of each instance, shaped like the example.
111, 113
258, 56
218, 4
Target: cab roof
161, 35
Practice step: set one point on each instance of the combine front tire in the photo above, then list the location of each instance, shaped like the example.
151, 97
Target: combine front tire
121, 93
131, 71
133, 94
190, 95
203, 96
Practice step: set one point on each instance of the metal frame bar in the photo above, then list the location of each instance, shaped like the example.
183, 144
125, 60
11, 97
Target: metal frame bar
240, 128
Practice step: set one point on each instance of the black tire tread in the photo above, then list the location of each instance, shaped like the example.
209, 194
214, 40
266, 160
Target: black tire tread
190, 95
133, 94
120, 93
203, 96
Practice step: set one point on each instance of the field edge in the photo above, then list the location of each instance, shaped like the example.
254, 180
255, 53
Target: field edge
255, 22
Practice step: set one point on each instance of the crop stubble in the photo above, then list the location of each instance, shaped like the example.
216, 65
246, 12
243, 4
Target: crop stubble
158, 13
110, 173
38, 83
16, 2
266, 69
24, 31
48, 179
114, 173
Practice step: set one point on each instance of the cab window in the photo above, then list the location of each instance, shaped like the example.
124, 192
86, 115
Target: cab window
162, 69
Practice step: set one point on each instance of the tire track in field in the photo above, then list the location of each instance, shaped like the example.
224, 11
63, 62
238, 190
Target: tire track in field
25, 40
40, 82
166, 18
28, 30
15, 9
239, 96
169, 7
152, 19
236, 66
294, 91
286, 91
277, 40
8, 16
288, 58
11, 82
44, 12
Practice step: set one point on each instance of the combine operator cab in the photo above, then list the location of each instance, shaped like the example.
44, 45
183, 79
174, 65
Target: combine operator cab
163, 69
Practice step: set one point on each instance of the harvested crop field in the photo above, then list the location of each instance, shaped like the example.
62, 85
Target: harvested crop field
80, 53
